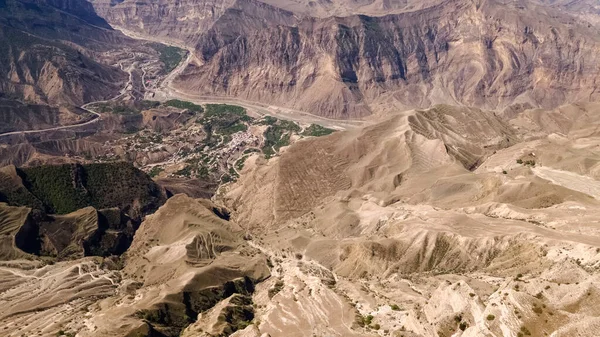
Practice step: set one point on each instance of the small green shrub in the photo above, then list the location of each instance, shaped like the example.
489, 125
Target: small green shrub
315, 130
277, 287
183, 105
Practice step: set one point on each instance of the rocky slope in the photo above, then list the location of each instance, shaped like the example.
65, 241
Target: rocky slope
584, 9
69, 211
185, 260
489, 54
46, 54
16, 116
440, 222
424, 241
181, 21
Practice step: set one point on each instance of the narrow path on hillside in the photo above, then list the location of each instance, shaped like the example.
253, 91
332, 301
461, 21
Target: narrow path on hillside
166, 91
96, 116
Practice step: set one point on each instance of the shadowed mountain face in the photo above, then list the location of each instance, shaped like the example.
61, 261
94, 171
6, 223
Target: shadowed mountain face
71, 211
48, 52
489, 54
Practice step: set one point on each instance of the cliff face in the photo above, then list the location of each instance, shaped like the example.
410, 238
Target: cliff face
489, 54
183, 21
47, 53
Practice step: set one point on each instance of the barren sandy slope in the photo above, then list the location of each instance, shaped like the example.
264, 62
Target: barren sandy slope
440, 222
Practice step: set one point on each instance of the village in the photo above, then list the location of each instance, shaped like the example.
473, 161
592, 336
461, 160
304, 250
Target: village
183, 140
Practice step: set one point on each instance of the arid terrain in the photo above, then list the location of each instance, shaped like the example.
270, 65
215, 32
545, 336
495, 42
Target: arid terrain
299, 168
352, 59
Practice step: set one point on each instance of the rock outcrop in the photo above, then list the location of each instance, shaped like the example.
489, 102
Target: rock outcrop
489, 54
72, 211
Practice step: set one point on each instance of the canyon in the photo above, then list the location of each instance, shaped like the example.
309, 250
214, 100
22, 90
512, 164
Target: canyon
299, 168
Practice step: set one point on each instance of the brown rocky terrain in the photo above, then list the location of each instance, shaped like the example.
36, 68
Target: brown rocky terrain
68, 212
424, 241
446, 221
465, 205
172, 272
488, 54
16, 116
45, 55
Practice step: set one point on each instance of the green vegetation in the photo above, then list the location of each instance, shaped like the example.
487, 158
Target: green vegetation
315, 130
184, 105
278, 135
54, 186
395, 307
186, 171
268, 120
524, 332
463, 326
490, 317
239, 164
66, 188
276, 288
224, 110
526, 162
155, 171
145, 105
17, 195
170, 56
250, 150
122, 108
365, 320
226, 178
238, 315
229, 177
202, 172
223, 119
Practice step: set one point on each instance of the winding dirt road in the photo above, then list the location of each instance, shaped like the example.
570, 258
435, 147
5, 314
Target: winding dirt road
166, 91
93, 120
96, 116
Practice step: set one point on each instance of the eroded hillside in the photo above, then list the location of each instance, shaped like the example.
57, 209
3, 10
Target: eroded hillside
487, 54
475, 217
424, 241
439, 222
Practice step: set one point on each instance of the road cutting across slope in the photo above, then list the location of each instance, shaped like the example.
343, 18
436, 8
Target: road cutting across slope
570, 180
